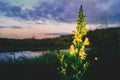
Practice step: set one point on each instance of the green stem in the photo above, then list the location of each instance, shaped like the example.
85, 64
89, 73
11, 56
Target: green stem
66, 78
82, 74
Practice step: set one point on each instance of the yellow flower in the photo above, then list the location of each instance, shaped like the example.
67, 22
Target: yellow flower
85, 65
74, 42
84, 31
83, 47
82, 54
63, 71
78, 27
78, 38
72, 50
61, 58
86, 42
75, 32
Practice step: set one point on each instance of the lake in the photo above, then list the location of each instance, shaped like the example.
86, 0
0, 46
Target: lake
14, 55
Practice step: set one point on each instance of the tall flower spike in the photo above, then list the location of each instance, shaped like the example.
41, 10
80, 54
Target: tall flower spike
80, 15
80, 31
77, 51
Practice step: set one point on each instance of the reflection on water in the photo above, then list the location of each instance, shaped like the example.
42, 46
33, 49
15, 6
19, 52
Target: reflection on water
15, 55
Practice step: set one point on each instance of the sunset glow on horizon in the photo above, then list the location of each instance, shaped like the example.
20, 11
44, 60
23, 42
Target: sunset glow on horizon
38, 31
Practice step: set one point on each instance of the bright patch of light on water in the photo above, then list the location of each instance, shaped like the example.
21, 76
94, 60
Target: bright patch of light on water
16, 55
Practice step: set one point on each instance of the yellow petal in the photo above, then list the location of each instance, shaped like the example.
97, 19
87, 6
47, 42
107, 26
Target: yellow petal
86, 42
71, 50
82, 54
78, 38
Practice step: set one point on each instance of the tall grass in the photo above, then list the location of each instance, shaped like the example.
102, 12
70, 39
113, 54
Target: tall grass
24, 68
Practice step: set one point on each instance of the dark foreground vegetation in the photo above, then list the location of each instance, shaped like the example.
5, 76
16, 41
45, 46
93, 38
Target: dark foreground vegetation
23, 68
45, 68
105, 45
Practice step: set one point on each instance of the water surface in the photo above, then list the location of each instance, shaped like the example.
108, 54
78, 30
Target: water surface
15, 55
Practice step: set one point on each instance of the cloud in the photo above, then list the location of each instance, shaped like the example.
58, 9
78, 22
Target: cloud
62, 10
2, 26
57, 34
25, 4
16, 27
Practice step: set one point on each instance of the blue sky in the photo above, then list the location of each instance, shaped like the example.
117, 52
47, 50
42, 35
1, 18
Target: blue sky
16, 13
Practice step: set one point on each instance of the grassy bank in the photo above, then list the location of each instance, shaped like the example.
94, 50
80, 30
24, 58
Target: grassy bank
62, 42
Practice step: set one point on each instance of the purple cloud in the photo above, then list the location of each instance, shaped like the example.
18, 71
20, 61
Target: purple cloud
66, 11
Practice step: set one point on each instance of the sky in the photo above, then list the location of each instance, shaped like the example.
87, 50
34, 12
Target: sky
51, 18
